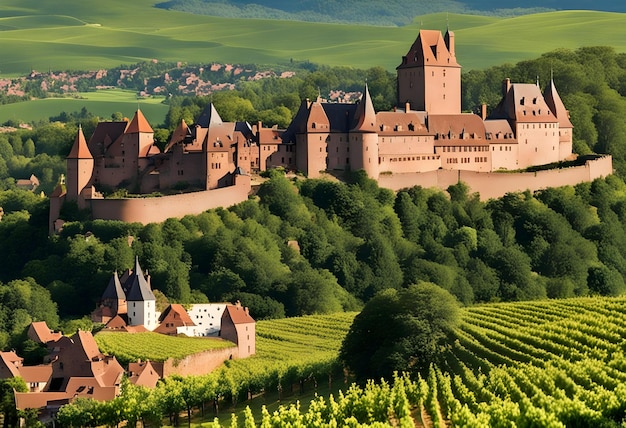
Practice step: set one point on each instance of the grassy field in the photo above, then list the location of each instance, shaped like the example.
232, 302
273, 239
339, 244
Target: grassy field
72, 34
101, 103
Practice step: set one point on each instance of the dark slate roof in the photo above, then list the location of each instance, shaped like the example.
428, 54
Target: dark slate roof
105, 132
138, 289
209, 116
114, 289
340, 116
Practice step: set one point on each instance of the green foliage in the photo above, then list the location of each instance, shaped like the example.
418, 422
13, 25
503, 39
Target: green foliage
400, 330
153, 346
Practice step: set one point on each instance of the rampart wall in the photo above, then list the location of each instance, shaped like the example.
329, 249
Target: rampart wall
200, 363
497, 184
159, 209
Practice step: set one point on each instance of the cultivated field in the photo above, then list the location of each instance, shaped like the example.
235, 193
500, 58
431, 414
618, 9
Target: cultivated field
102, 103
548, 363
72, 34
150, 346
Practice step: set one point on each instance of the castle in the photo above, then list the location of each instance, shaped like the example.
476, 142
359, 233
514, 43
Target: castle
426, 140
427, 130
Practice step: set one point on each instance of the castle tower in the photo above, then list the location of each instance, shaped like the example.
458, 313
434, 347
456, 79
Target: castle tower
364, 137
429, 77
80, 164
311, 146
140, 301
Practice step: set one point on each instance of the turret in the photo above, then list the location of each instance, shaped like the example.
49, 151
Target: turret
80, 164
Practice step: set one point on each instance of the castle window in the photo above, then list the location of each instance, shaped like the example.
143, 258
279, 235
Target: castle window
347, 160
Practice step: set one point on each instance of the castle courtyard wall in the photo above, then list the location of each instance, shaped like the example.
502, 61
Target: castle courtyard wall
497, 184
159, 209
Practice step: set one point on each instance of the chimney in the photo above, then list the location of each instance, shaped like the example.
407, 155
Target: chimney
483, 111
407, 107
506, 85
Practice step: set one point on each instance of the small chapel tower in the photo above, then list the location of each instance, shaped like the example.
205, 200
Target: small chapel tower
140, 301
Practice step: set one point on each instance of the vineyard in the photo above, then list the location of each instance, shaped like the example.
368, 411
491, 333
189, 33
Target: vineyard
148, 346
546, 363
542, 363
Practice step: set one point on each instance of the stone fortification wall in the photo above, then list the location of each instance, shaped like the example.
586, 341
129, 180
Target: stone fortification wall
200, 363
497, 184
159, 209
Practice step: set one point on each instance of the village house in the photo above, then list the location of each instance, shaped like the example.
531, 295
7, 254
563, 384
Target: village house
76, 368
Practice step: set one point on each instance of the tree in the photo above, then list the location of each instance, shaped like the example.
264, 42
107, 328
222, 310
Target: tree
400, 330
7, 389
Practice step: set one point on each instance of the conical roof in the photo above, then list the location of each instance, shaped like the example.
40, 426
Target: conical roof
209, 116
114, 289
138, 290
79, 149
138, 124
554, 102
365, 115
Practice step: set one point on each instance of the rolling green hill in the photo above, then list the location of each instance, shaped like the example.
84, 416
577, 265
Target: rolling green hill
101, 103
70, 34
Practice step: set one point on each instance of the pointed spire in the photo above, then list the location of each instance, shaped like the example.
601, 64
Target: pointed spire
139, 290
554, 102
79, 149
114, 289
209, 116
365, 114
138, 124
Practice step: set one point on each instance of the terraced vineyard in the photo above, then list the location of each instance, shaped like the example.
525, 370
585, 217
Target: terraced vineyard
153, 346
544, 363
541, 363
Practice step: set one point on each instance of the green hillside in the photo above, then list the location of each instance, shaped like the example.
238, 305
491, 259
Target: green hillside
71, 34
540, 363
101, 103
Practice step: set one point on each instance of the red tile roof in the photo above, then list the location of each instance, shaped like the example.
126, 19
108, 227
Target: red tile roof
41, 333
40, 373
138, 124
79, 149
239, 315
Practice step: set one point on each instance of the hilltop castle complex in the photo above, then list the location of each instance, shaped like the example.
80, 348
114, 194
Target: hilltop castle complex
426, 140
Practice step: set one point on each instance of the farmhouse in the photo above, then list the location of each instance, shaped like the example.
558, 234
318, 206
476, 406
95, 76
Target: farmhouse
128, 304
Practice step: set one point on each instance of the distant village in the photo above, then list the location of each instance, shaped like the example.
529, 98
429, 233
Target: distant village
186, 80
